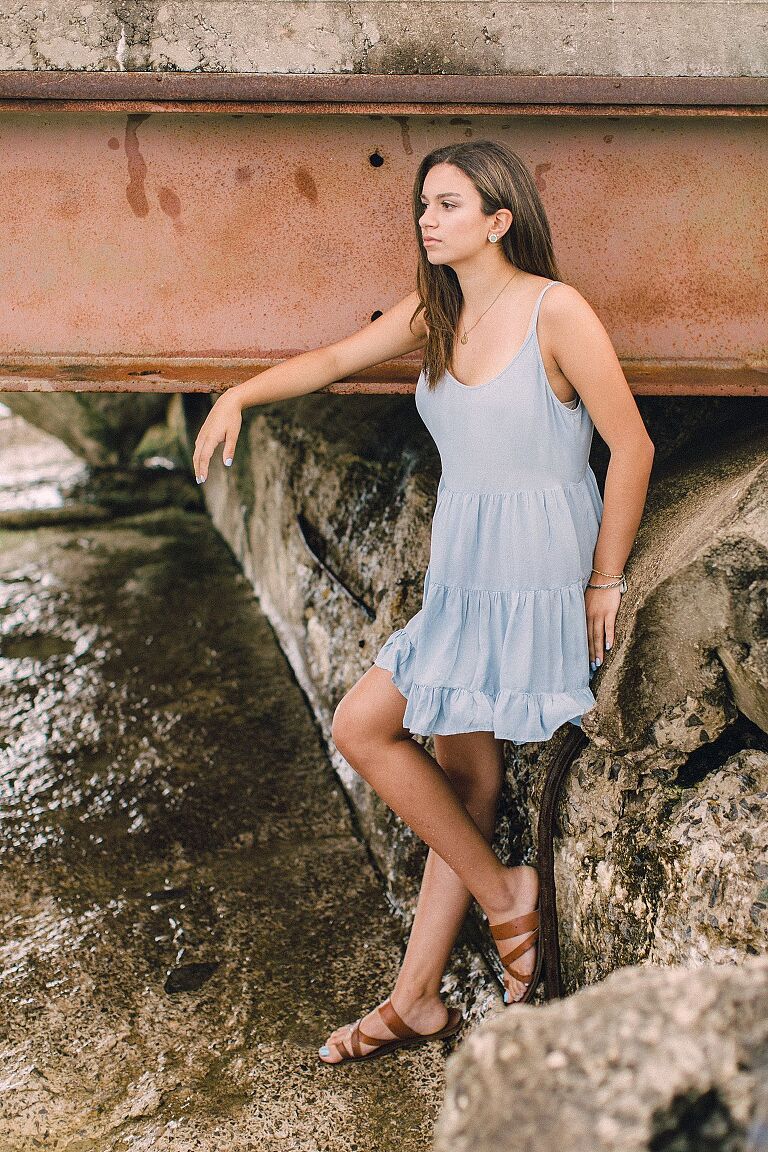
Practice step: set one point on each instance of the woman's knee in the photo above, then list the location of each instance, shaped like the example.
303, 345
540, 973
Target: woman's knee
482, 787
371, 712
355, 725
348, 723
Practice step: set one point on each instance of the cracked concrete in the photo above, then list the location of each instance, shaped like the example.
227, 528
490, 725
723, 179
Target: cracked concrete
552, 37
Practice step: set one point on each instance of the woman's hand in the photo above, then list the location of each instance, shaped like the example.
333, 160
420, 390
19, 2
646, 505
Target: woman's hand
602, 605
222, 423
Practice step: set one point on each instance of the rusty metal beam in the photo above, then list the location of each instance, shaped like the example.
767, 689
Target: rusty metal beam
123, 374
355, 94
188, 253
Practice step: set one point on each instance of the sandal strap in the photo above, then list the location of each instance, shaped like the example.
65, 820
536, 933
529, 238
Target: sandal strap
515, 926
523, 977
394, 1022
354, 1038
528, 943
342, 1047
374, 1041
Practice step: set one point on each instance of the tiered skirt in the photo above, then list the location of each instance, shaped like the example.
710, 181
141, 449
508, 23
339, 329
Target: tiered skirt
479, 657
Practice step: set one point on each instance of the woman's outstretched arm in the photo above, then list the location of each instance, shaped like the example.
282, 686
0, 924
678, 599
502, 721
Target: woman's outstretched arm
388, 336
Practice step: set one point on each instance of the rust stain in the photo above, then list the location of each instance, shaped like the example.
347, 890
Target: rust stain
538, 175
68, 209
305, 182
169, 202
137, 169
244, 173
405, 134
113, 143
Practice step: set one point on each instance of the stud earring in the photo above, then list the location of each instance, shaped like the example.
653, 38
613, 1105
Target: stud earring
493, 237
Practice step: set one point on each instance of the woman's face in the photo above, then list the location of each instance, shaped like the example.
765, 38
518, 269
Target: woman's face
452, 216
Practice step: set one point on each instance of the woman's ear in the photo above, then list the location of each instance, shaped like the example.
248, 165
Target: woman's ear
502, 221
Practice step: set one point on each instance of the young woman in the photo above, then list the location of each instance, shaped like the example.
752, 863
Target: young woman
525, 575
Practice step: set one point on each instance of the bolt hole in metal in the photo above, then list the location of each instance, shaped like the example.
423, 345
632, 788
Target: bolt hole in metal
376, 159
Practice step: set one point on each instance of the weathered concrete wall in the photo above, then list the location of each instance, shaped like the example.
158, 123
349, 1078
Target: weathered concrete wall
548, 38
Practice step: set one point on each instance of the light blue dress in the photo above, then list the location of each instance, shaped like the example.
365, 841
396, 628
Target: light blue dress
500, 641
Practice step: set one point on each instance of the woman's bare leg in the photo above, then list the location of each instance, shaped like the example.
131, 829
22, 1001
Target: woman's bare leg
474, 762
368, 731
451, 804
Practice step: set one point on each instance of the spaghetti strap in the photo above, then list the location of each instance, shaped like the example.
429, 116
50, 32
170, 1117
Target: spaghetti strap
537, 305
500, 641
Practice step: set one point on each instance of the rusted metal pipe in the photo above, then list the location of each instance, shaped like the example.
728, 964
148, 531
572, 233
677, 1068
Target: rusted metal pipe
358, 94
217, 374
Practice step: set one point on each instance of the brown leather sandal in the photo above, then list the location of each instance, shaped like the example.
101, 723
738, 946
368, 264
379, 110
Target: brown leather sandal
513, 928
405, 1036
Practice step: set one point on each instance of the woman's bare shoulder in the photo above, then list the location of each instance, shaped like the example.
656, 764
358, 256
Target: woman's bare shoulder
563, 300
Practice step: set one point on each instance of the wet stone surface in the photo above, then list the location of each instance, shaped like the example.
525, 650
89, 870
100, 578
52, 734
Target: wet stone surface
186, 908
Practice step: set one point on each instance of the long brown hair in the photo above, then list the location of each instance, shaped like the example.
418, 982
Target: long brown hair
503, 181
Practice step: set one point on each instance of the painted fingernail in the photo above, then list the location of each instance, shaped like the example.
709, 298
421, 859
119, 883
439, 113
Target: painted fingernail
325, 1050
198, 479
506, 997
598, 661
608, 647
228, 462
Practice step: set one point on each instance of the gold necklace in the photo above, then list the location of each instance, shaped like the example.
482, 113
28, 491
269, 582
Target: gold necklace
468, 330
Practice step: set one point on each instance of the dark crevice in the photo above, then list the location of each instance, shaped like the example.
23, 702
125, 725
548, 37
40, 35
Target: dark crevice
319, 548
742, 734
696, 1122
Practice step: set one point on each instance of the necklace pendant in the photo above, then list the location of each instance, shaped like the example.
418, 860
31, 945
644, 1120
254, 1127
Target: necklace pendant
464, 338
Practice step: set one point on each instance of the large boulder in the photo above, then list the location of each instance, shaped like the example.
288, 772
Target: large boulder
650, 1060
653, 864
692, 632
330, 519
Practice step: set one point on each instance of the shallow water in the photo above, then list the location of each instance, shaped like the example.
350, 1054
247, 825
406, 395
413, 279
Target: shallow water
186, 908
